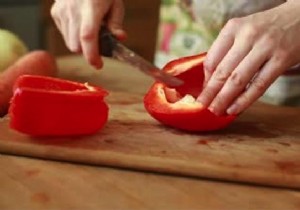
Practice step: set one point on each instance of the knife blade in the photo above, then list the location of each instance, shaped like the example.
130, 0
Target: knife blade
111, 47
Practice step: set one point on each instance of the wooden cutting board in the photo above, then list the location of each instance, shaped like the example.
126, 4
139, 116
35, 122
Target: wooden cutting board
262, 146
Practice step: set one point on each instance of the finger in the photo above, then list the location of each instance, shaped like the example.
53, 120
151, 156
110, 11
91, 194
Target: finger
89, 30
115, 20
73, 37
65, 31
270, 71
55, 17
232, 59
219, 49
61, 21
239, 79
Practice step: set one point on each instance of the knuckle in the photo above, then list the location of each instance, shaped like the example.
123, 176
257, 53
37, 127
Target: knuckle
236, 79
53, 11
280, 59
235, 54
233, 23
270, 39
57, 10
220, 76
269, 43
87, 33
250, 31
260, 85
281, 54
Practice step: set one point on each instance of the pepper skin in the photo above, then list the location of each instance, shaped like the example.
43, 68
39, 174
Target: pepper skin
45, 106
177, 107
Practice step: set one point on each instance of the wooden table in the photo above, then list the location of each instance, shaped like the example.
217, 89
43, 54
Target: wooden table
39, 184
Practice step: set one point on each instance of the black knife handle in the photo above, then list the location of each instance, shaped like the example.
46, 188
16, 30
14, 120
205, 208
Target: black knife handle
107, 42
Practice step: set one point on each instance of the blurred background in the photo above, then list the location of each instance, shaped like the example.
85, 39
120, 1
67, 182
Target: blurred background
158, 30
31, 21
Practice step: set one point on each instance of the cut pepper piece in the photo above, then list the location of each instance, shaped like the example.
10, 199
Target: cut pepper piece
45, 106
177, 107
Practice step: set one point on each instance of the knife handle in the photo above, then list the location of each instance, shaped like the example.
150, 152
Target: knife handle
107, 42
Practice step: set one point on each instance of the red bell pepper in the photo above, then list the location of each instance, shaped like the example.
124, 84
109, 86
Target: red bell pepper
177, 107
45, 106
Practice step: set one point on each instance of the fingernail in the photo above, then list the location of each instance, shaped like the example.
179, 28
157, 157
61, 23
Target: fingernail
213, 110
233, 109
97, 64
120, 34
122, 37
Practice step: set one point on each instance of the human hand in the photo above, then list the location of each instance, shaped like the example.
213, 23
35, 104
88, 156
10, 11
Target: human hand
79, 22
247, 57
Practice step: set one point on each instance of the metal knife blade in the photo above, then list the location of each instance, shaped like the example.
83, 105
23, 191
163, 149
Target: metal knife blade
110, 47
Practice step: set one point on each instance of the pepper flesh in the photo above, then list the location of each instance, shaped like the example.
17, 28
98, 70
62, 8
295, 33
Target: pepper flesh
177, 107
45, 106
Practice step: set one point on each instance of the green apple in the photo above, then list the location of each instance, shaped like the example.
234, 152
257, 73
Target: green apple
11, 49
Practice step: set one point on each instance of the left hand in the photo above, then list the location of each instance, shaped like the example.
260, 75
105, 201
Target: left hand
79, 22
247, 57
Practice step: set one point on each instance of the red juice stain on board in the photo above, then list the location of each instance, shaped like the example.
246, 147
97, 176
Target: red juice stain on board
40, 197
206, 141
270, 150
288, 166
109, 141
32, 173
202, 142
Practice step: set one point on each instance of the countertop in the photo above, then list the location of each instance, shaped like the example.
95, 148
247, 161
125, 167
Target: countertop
41, 184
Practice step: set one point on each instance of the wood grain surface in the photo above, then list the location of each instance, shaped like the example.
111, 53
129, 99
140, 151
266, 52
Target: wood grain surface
30, 184
262, 146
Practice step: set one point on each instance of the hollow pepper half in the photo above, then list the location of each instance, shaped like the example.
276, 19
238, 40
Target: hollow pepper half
177, 107
45, 106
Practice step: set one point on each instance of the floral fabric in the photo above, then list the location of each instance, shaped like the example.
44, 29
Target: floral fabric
189, 27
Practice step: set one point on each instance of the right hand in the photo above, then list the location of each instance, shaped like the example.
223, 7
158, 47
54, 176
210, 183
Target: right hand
79, 22
249, 54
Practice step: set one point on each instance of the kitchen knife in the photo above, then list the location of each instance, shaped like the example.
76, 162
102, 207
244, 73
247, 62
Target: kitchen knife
111, 47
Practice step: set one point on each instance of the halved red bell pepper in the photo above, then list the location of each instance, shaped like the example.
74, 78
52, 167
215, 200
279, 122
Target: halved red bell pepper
177, 107
45, 106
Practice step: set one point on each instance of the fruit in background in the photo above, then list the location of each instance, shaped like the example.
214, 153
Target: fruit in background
34, 63
11, 49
